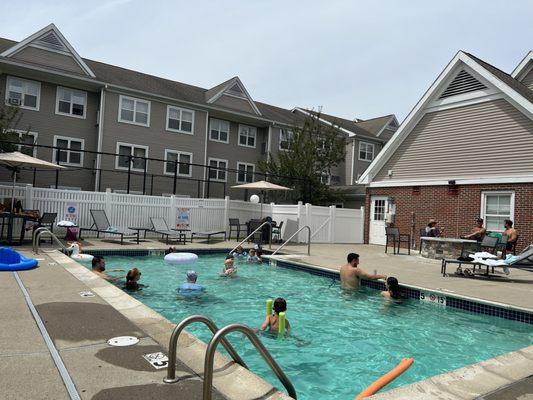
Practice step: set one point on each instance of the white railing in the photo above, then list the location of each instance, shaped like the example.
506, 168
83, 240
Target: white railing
327, 224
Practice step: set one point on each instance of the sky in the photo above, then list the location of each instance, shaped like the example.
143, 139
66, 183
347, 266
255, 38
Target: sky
353, 59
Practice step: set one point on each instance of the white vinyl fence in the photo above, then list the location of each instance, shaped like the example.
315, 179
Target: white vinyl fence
328, 224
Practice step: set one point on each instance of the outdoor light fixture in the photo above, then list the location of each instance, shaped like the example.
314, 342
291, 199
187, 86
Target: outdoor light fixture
254, 198
451, 182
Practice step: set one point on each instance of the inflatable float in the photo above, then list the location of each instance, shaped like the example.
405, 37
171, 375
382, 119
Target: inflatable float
189, 289
181, 258
403, 366
77, 255
282, 322
10, 260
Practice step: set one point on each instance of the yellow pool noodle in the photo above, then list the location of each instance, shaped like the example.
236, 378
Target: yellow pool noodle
281, 326
269, 307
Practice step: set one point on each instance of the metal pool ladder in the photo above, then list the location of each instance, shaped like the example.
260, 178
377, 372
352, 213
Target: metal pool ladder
219, 337
293, 235
36, 242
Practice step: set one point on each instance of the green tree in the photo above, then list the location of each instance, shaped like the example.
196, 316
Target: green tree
313, 149
9, 119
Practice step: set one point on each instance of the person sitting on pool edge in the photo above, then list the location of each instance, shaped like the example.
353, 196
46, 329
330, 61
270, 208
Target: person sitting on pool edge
190, 288
393, 289
272, 321
229, 266
132, 279
98, 267
351, 274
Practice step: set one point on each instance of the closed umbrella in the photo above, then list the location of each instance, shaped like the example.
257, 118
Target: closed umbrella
262, 186
17, 160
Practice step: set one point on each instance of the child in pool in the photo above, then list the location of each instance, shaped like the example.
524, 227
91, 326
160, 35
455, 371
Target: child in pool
252, 257
272, 321
229, 266
239, 252
132, 279
393, 289
170, 250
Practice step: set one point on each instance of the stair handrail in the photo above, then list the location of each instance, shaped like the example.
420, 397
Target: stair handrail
173, 345
293, 235
250, 334
37, 236
253, 233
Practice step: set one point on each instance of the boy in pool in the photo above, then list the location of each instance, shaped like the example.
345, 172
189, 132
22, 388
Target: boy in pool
229, 266
252, 257
272, 321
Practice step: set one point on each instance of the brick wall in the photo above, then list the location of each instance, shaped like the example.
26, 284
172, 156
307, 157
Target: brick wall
456, 212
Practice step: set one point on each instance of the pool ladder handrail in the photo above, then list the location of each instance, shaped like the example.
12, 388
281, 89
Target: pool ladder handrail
253, 233
219, 337
293, 235
173, 344
36, 239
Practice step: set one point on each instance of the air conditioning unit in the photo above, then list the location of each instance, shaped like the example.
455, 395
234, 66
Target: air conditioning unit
13, 101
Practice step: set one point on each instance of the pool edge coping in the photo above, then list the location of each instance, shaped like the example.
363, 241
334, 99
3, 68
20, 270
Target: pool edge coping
191, 350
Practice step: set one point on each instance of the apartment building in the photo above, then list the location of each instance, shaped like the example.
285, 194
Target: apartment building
86, 107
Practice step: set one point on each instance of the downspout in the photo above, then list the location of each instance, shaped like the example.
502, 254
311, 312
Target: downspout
269, 141
205, 150
99, 143
353, 163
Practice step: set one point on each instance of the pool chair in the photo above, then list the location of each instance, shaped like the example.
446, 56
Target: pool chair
235, 225
101, 224
159, 226
523, 261
393, 235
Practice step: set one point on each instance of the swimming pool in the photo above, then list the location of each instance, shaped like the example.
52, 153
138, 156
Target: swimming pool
340, 342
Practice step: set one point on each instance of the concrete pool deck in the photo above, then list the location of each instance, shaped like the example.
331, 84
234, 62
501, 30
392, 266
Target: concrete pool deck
101, 373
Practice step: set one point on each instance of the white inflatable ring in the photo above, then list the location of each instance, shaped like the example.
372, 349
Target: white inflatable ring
82, 257
181, 258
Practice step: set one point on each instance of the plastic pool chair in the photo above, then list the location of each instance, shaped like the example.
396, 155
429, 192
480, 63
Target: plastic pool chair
101, 224
159, 226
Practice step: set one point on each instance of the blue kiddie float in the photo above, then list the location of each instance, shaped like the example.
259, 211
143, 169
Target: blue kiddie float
11, 260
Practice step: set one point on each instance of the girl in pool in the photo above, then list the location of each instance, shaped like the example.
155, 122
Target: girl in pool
393, 289
229, 266
252, 257
132, 279
272, 321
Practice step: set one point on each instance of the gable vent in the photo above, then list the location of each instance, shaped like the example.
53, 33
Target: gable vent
51, 41
236, 90
462, 83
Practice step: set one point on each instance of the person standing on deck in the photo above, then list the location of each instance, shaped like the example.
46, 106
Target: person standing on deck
351, 274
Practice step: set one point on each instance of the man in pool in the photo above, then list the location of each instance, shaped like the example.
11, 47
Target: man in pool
351, 274
98, 267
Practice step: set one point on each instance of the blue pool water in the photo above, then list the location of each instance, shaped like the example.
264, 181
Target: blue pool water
340, 342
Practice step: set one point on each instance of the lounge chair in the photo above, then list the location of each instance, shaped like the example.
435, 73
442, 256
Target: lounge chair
101, 224
523, 261
159, 226
208, 234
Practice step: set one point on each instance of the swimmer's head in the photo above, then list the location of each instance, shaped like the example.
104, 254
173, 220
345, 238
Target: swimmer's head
353, 259
133, 275
251, 252
280, 305
229, 257
192, 276
98, 263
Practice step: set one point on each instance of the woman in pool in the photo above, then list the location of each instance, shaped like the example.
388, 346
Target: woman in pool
229, 267
132, 279
170, 250
272, 321
393, 289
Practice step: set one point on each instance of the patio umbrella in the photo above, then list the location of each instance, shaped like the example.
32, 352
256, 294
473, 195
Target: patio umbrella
17, 160
262, 186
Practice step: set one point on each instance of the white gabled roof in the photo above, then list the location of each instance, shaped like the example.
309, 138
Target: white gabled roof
64, 46
523, 66
417, 112
227, 86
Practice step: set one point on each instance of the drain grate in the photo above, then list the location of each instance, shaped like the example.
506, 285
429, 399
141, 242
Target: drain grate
122, 341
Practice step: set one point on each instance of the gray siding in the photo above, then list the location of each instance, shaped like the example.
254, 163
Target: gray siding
360, 166
234, 103
528, 79
490, 138
47, 124
348, 162
157, 138
47, 58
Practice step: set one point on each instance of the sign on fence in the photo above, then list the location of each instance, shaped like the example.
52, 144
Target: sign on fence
182, 219
71, 212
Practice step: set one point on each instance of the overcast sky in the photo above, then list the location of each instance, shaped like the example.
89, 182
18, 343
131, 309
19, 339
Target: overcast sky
354, 58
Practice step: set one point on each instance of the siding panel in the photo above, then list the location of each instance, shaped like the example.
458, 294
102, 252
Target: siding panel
234, 103
51, 59
491, 138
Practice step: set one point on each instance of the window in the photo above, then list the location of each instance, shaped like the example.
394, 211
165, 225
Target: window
131, 156
23, 93
183, 159
247, 135
71, 102
245, 172
219, 130
27, 138
68, 151
134, 111
285, 138
180, 120
379, 210
217, 170
325, 179
366, 151
495, 208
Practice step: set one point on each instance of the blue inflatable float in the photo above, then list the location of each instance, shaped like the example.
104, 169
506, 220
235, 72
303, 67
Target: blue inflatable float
11, 260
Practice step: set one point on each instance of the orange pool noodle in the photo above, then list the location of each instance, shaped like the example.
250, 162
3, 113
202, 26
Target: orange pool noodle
403, 366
